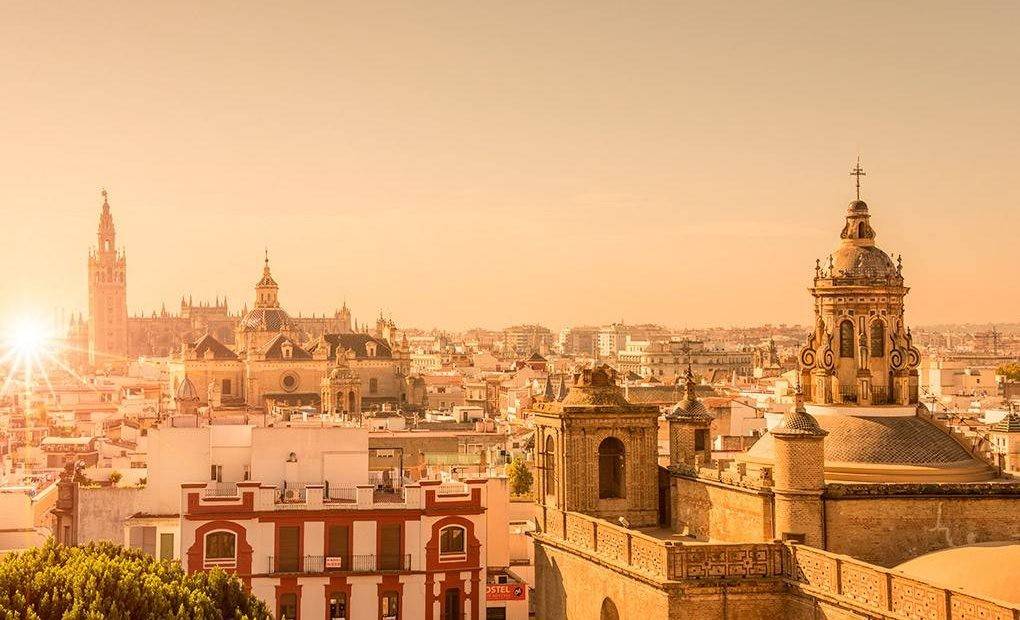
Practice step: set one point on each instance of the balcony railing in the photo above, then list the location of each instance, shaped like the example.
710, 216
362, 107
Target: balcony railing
340, 564
220, 489
337, 493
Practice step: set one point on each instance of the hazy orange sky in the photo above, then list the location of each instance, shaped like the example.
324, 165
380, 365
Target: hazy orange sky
487, 163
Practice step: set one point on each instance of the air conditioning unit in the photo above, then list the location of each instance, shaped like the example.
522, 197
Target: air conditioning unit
290, 494
502, 579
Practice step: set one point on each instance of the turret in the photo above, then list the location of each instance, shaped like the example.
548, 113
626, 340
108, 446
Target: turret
690, 438
799, 476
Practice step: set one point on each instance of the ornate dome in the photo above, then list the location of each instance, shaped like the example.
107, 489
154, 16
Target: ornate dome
882, 449
849, 261
689, 408
271, 319
186, 390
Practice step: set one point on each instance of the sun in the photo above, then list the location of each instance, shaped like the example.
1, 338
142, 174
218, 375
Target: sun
28, 338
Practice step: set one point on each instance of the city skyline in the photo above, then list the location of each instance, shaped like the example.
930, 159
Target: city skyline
649, 164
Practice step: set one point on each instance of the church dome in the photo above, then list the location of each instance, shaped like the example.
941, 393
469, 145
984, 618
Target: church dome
186, 390
883, 449
861, 261
271, 319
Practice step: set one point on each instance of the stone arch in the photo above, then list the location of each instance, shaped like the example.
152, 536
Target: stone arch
609, 611
612, 469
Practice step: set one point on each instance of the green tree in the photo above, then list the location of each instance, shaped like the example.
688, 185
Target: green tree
106, 581
519, 476
115, 477
1011, 371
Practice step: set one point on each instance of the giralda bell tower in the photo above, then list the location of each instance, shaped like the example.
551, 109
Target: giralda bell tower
108, 324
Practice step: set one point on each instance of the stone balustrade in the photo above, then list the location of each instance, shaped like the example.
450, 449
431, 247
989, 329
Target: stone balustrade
886, 593
842, 581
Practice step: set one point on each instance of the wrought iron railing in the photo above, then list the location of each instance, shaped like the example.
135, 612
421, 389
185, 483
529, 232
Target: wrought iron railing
349, 563
880, 395
220, 489
848, 393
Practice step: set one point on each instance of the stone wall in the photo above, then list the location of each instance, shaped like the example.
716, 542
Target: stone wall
102, 511
722, 512
890, 529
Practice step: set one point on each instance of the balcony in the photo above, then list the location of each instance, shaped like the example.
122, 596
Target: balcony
220, 489
340, 564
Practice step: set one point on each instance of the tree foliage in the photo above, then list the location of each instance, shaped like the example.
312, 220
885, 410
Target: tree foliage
1010, 371
105, 581
519, 476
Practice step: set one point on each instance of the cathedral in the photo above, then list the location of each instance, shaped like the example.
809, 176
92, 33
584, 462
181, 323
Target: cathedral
856, 479
256, 357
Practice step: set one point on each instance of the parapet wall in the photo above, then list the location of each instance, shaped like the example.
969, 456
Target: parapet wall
695, 577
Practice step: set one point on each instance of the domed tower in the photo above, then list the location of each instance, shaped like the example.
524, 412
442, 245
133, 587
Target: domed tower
690, 440
597, 452
186, 397
108, 319
266, 319
341, 387
861, 352
799, 475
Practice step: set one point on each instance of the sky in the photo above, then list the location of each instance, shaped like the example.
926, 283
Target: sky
490, 163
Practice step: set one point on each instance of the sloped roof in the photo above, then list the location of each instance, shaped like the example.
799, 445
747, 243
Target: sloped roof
274, 349
219, 350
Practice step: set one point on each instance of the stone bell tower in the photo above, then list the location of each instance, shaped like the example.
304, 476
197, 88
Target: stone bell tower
861, 351
108, 318
690, 438
596, 452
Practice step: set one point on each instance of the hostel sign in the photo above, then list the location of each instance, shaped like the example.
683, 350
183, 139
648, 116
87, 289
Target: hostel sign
504, 592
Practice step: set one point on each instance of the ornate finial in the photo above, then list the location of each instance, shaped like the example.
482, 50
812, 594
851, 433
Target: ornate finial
858, 172
899, 262
818, 266
690, 387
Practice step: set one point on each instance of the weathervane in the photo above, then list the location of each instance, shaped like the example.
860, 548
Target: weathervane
858, 172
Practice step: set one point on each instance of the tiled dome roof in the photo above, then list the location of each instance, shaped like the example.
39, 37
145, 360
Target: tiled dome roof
893, 441
272, 319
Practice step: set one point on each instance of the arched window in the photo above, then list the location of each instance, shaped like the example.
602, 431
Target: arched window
860, 230
550, 465
609, 611
877, 339
611, 469
373, 386
452, 540
846, 339
220, 546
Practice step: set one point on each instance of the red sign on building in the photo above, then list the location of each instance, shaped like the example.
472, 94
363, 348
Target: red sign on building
505, 592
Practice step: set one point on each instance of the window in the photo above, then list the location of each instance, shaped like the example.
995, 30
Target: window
373, 386
338, 546
288, 606
550, 466
700, 439
289, 549
289, 382
451, 540
389, 546
166, 546
225, 389
451, 604
611, 469
877, 339
216, 473
389, 606
338, 606
495, 613
220, 546
846, 339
